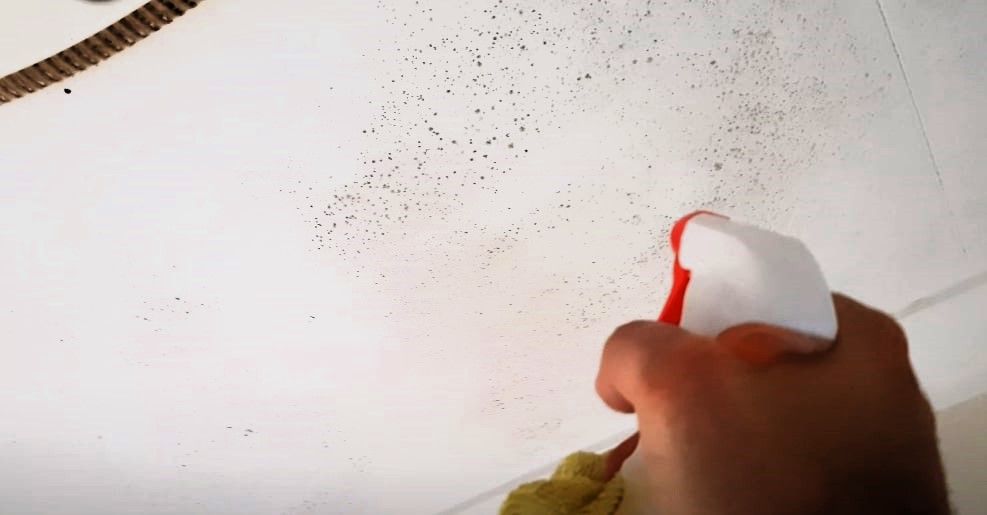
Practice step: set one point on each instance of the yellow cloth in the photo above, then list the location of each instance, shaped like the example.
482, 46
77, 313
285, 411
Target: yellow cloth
576, 487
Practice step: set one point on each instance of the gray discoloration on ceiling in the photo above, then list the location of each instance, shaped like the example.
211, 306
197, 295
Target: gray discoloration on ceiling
551, 145
467, 100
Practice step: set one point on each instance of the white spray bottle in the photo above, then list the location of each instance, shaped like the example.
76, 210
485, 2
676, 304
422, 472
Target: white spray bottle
728, 273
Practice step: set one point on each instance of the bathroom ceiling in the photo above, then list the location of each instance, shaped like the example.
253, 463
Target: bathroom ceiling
361, 256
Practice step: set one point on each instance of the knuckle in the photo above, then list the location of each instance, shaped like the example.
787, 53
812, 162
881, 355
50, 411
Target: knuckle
892, 331
648, 375
654, 360
629, 331
887, 332
884, 332
893, 339
677, 369
631, 354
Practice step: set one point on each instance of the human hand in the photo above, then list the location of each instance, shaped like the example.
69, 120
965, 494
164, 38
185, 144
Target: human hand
740, 424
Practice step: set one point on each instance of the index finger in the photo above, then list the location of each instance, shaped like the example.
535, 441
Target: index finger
630, 365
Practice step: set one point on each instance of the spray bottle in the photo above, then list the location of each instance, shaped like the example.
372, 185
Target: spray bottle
728, 273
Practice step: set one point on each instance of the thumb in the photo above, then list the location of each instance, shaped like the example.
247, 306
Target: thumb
614, 459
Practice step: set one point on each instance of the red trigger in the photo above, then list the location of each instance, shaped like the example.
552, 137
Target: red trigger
672, 312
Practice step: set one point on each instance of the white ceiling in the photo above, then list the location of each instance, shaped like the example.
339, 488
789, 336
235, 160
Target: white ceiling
360, 257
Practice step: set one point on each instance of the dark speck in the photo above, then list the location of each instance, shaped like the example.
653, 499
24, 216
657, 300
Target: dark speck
718, 166
67, 91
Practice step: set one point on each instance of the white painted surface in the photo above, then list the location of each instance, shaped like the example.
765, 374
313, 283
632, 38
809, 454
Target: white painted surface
943, 47
948, 346
166, 280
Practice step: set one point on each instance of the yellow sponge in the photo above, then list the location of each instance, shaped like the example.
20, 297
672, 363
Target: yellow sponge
577, 487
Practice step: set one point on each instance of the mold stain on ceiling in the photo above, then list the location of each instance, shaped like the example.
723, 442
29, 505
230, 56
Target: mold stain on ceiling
523, 161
